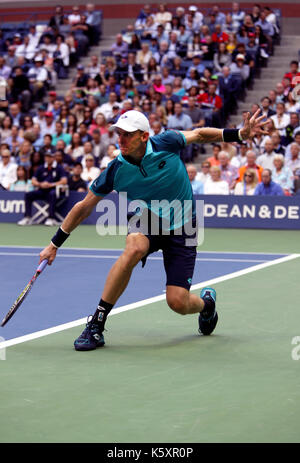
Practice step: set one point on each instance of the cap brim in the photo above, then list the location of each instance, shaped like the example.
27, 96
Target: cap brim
122, 124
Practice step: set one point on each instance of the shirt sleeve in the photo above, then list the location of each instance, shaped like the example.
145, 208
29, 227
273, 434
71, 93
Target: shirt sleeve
170, 140
104, 183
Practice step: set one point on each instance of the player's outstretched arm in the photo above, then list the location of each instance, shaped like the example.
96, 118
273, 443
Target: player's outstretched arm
77, 214
252, 125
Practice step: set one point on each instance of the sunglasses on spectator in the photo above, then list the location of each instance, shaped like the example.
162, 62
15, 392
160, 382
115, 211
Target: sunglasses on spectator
248, 175
4, 156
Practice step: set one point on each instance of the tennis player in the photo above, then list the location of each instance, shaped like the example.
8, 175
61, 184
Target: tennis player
150, 168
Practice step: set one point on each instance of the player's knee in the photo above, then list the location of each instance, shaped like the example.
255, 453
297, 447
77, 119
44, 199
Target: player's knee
136, 248
178, 304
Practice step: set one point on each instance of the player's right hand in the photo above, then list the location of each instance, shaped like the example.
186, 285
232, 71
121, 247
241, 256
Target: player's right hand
49, 253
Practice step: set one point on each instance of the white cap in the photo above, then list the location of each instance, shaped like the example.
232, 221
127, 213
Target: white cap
132, 121
193, 8
240, 56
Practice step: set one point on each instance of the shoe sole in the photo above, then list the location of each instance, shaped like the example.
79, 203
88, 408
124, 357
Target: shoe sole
82, 348
211, 328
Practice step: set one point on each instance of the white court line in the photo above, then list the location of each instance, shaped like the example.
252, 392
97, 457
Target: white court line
151, 300
92, 256
122, 249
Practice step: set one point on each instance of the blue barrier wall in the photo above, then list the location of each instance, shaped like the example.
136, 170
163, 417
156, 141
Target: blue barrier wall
219, 211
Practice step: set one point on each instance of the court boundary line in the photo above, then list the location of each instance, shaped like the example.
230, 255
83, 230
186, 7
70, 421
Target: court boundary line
92, 256
122, 249
142, 303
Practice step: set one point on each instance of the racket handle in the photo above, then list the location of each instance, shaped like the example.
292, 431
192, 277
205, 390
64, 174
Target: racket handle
42, 266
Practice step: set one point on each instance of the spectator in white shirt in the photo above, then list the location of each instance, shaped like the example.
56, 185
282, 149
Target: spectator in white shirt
74, 17
163, 16
204, 175
8, 170
281, 119
266, 160
90, 172
215, 185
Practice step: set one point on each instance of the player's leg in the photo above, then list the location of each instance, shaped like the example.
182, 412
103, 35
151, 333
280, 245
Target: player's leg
137, 246
179, 262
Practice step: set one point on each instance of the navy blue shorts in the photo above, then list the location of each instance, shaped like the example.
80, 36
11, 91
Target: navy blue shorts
179, 259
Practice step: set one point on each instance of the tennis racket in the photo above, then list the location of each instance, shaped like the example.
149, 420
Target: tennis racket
24, 293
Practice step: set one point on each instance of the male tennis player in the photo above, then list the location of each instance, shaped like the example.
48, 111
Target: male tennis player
150, 168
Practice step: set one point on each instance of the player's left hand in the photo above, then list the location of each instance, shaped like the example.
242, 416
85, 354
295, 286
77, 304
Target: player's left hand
253, 125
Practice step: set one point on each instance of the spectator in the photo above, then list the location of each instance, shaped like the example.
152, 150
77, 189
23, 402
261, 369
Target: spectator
100, 124
119, 49
251, 164
5, 127
20, 89
60, 135
212, 101
90, 172
5, 70
48, 124
193, 19
237, 15
163, 17
82, 34
294, 162
179, 121
112, 153
143, 56
266, 107
215, 185
23, 156
288, 148
229, 173
229, 88
22, 183
240, 158
239, 67
204, 175
61, 57
8, 170
142, 17
107, 108
196, 185
75, 180
98, 146
46, 178
195, 113
214, 159
93, 19
222, 57
282, 174
219, 36
57, 19
276, 139
267, 187
281, 119
75, 149
266, 160
38, 77
248, 184
294, 71
47, 145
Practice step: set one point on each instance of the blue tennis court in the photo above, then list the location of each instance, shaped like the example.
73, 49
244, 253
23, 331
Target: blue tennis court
70, 289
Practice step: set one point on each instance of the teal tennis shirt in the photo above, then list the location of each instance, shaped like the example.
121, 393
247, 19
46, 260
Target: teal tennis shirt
160, 182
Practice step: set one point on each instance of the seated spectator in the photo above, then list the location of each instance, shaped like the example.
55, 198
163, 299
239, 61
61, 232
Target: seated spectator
82, 33
107, 108
195, 113
278, 147
143, 56
251, 164
22, 183
222, 57
240, 158
23, 155
212, 101
229, 89
282, 174
215, 185
119, 48
38, 77
266, 107
229, 173
219, 36
8, 170
163, 16
267, 29
75, 149
74, 17
248, 184
214, 159
294, 70
81, 77
20, 88
93, 19
178, 89
197, 186
294, 162
5, 70
149, 28
47, 124
281, 119
47, 177
75, 180
61, 56
288, 148
60, 135
47, 145
90, 172
63, 160
180, 120
239, 67
267, 187
291, 105
193, 19
112, 153
205, 172
266, 160
237, 15
279, 94
194, 46
5, 127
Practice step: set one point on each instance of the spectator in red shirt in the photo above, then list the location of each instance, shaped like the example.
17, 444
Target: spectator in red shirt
211, 100
218, 36
293, 71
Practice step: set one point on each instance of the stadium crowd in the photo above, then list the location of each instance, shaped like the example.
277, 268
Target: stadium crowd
183, 69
